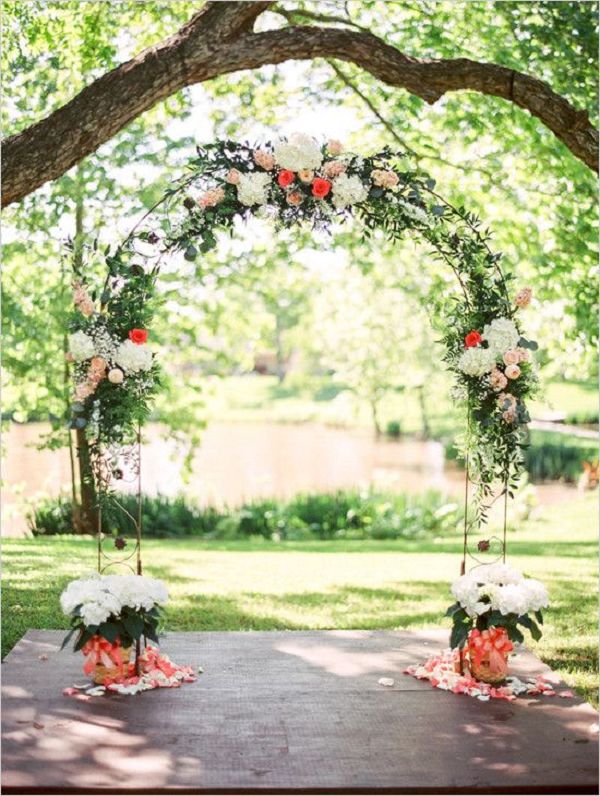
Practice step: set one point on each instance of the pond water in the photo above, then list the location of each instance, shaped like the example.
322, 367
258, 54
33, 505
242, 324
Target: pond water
240, 461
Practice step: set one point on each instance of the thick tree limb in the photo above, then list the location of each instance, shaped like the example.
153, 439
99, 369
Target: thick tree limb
218, 40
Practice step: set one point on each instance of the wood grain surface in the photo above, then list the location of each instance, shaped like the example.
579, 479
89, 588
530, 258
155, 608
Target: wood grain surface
287, 712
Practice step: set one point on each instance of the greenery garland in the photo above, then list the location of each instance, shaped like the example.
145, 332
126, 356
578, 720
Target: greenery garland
293, 181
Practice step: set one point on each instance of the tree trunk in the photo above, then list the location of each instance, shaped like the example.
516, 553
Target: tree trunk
218, 40
374, 404
86, 515
279, 352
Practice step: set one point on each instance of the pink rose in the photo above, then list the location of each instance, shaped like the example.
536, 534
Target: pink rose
211, 198
524, 355
86, 307
512, 371
523, 297
333, 169
505, 397
264, 159
509, 416
98, 364
335, 147
233, 177
83, 390
498, 380
511, 357
294, 198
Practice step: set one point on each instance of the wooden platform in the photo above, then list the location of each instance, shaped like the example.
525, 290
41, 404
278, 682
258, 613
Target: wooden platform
287, 711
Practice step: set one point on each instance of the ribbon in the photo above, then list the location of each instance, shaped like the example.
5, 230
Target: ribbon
492, 644
100, 651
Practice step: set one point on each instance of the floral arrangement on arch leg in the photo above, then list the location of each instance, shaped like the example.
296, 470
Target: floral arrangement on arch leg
110, 614
492, 601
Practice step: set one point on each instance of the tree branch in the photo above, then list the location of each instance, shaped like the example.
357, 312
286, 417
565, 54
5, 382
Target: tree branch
217, 41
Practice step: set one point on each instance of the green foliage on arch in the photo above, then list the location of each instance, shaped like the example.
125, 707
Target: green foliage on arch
300, 181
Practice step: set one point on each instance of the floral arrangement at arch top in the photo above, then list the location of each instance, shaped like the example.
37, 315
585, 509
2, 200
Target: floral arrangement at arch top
298, 179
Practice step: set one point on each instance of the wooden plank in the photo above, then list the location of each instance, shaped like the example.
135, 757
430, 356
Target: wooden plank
287, 712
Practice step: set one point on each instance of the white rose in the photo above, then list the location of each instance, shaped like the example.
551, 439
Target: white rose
81, 346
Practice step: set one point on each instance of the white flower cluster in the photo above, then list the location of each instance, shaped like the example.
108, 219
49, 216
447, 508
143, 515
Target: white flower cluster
299, 152
133, 357
501, 335
81, 346
506, 589
477, 361
102, 596
252, 188
105, 345
414, 212
348, 190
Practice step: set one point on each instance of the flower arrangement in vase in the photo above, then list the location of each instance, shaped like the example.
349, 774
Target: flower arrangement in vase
492, 601
109, 614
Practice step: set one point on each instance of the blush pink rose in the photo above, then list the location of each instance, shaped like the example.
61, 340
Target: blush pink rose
523, 297
335, 147
233, 177
512, 371
264, 159
511, 357
498, 380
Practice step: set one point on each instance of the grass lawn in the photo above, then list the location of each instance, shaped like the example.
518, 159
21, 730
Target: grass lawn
254, 398
254, 585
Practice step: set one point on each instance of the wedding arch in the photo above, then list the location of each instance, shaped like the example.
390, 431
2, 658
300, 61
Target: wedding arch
298, 180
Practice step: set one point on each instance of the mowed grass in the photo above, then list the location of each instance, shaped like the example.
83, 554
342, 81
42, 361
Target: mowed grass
252, 398
260, 585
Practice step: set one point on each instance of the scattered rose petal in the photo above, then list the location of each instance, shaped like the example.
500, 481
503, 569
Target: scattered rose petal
200, 670
566, 694
70, 691
43, 657
595, 727
387, 681
38, 725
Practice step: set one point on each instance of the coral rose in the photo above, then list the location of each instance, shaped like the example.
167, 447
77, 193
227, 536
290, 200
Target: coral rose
138, 336
285, 178
472, 339
320, 188
306, 175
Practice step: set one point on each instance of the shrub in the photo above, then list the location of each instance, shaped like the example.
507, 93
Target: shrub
393, 429
589, 418
341, 515
550, 456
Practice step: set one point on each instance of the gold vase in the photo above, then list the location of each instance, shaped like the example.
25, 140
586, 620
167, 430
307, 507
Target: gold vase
101, 672
493, 672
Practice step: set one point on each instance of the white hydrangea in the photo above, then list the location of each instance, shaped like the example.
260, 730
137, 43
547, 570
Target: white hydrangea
501, 335
81, 346
133, 357
348, 190
477, 361
252, 188
98, 597
298, 152
505, 588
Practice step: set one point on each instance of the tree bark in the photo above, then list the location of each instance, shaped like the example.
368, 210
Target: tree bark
218, 40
